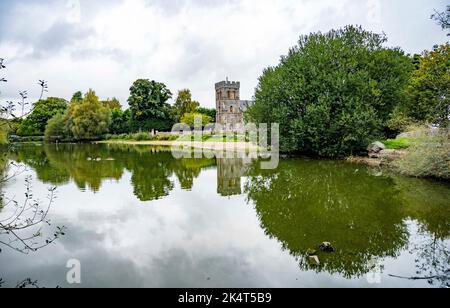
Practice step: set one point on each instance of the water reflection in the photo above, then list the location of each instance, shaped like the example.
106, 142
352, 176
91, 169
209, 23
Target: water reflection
367, 216
90, 165
229, 174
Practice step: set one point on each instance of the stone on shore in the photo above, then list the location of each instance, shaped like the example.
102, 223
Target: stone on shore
376, 147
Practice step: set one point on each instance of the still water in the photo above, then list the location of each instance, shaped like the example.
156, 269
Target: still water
137, 217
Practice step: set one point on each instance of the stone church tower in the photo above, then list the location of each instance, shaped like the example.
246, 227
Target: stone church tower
230, 108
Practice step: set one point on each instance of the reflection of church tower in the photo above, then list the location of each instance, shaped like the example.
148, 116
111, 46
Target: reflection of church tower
229, 173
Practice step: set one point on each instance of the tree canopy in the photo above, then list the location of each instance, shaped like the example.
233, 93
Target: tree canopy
56, 129
43, 111
112, 104
333, 93
149, 106
89, 119
148, 99
429, 88
184, 103
189, 119
211, 112
77, 97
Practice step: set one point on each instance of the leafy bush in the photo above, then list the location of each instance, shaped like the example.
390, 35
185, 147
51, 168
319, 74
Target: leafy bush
333, 93
189, 119
3, 132
166, 137
400, 122
429, 88
122, 137
142, 137
27, 128
43, 111
429, 156
211, 112
120, 121
88, 119
56, 129
161, 125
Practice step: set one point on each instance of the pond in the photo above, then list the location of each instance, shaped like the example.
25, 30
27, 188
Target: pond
137, 217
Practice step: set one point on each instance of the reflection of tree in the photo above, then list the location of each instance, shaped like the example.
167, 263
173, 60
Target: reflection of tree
427, 202
433, 260
36, 157
151, 176
152, 171
305, 203
57, 164
190, 169
89, 165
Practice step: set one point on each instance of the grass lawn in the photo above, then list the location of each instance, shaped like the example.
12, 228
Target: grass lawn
398, 144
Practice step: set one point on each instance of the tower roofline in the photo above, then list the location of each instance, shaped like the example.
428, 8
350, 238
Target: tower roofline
227, 83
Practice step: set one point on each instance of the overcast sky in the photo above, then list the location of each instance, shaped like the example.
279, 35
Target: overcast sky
107, 44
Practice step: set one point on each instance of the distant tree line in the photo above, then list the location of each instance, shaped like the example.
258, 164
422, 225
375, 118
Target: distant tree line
86, 117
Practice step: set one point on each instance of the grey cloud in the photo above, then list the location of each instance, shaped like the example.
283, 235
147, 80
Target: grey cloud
44, 35
118, 55
57, 37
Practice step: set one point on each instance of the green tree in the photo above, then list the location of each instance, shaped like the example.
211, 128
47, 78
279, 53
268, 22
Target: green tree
429, 88
120, 121
189, 119
56, 129
89, 119
43, 111
112, 104
211, 112
148, 101
333, 93
77, 97
184, 103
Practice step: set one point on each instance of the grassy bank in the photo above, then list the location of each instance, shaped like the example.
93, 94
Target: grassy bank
399, 144
426, 155
169, 137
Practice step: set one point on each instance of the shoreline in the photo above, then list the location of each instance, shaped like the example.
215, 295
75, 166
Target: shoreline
383, 159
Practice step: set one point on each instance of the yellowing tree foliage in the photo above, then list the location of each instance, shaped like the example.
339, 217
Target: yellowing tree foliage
88, 119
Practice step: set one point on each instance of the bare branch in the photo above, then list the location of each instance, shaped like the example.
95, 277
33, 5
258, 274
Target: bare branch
44, 88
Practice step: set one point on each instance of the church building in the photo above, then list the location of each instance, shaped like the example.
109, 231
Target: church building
230, 108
